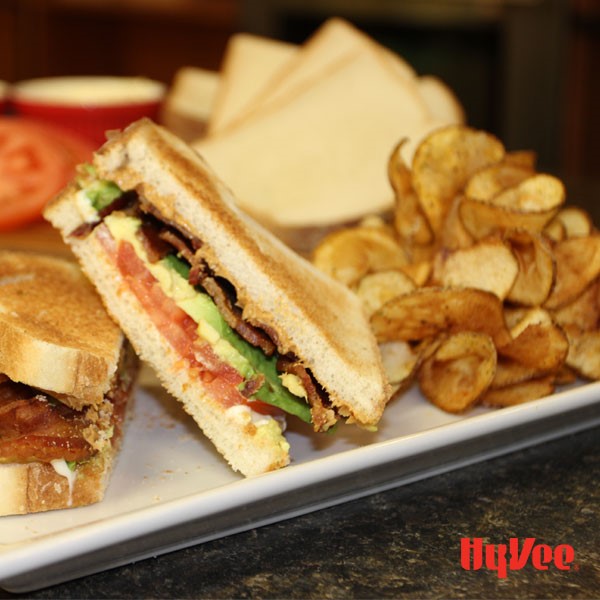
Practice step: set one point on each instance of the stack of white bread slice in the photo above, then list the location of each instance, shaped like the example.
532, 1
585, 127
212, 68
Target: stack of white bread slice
302, 134
189, 102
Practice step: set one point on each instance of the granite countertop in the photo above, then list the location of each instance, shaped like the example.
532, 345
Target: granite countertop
402, 543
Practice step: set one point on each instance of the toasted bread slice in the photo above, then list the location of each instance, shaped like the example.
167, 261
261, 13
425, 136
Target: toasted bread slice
55, 334
314, 317
37, 487
58, 346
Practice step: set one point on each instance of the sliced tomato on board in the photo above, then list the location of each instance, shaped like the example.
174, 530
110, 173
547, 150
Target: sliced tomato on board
36, 162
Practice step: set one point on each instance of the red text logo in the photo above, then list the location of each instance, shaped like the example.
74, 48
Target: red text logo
502, 558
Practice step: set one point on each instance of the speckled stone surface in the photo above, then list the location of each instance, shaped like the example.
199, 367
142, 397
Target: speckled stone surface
404, 543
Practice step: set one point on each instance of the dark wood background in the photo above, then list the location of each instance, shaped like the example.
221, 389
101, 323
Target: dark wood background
524, 69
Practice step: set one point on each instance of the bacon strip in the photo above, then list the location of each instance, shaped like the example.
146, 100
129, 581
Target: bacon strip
233, 316
150, 236
157, 238
169, 237
149, 209
323, 417
33, 427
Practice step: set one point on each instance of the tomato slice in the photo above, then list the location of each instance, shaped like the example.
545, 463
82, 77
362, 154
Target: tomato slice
36, 162
178, 329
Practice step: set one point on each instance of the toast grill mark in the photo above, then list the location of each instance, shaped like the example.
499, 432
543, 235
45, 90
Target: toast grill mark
161, 238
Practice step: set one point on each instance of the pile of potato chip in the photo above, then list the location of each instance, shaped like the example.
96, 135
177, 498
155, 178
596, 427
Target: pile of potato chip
485, 286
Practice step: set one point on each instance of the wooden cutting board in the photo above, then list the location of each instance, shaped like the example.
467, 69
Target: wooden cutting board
39, 237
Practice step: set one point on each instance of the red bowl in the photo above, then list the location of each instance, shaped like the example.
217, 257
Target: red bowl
90, 106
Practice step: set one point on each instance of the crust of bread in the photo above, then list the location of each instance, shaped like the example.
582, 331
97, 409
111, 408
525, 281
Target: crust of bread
248, 448
54, 332
37, 487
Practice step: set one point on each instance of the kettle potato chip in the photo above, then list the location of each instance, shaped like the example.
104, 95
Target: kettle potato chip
376, 289
537, 268
349, 254
431, 311
459, 371
486, 265
484, 287
444, 162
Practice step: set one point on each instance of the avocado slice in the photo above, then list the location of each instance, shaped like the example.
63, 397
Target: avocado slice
102, 193
272, 391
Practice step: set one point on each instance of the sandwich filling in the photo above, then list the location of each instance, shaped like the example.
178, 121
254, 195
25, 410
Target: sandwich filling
35, 426
195, 310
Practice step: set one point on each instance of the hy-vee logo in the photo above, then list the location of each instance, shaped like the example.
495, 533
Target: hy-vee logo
475, 554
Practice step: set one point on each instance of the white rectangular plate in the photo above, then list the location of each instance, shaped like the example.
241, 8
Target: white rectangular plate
170, 489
